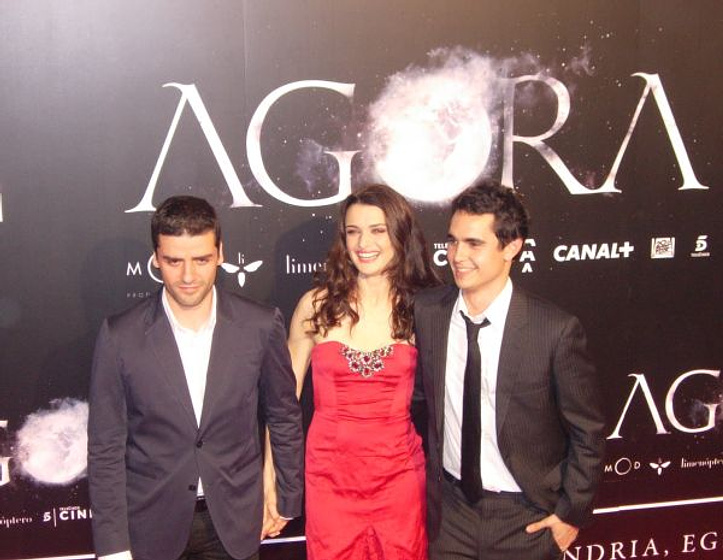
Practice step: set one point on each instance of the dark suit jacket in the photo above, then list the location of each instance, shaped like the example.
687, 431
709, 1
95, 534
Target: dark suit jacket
146, 451
549, 420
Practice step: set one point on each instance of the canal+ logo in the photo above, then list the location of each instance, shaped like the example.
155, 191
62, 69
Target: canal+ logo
593, 251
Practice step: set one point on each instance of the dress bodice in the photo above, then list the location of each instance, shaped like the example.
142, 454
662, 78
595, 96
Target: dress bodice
365, 396
353, 384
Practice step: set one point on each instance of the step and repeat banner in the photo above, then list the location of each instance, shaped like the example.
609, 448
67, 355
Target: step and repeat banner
605, 115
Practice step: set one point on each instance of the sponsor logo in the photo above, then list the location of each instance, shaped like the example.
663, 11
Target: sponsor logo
701, 247
439, 256
706, 463
241, 269
623, 466
66, 513
626, 465
660, 466
593, 251
295, 267
527, 255
8, 522
662, 248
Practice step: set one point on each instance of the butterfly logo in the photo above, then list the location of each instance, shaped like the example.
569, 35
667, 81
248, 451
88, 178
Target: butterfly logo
241, 270
660, 466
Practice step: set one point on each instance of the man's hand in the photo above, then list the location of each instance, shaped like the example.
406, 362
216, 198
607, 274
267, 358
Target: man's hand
273, 523
563, 533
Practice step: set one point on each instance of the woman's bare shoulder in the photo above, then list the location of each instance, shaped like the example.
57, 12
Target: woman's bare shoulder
310, 301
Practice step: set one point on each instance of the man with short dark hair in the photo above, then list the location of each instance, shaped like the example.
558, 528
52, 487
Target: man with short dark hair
515, 431
177, 384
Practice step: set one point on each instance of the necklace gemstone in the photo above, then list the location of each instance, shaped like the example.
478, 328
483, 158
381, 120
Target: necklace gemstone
366, 364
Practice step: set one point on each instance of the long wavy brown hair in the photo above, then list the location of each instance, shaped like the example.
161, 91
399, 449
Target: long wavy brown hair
409, 271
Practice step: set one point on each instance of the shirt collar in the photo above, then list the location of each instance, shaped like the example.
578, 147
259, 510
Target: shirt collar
496, 312
177, 327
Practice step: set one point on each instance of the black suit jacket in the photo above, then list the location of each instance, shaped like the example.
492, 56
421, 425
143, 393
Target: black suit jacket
548, 411
146, 451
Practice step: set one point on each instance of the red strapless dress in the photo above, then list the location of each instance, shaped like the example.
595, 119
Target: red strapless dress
364, 463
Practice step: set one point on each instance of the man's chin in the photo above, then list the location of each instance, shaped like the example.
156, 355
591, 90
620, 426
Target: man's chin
461, 280
189, 301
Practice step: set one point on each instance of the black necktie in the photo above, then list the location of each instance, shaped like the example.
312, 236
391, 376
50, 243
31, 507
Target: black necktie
471, 421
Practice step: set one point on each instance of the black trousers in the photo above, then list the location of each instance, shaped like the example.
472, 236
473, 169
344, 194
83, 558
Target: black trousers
492, 529
203, 542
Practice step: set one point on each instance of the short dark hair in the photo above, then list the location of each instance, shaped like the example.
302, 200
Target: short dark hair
490, 197
189, 215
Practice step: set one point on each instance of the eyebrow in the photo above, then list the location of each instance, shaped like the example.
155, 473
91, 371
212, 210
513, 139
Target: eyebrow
383, 224
465, 239
195, 257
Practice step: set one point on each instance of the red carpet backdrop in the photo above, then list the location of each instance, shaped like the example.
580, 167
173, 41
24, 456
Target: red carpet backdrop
605, 115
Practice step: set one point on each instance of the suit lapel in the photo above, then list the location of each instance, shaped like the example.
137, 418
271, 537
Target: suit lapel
440, 332
221, 359
508, 369
169, 359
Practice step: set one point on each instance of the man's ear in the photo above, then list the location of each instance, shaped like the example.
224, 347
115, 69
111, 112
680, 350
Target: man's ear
154, 260
512, 249
220, 252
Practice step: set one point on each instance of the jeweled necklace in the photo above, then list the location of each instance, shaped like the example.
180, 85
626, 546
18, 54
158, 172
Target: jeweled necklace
366, 364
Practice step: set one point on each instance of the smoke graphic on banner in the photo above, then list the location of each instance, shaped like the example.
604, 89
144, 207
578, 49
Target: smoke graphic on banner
435, 128
432, 130
52, 444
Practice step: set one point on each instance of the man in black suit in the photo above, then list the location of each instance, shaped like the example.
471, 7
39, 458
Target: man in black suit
515, 428
177, 384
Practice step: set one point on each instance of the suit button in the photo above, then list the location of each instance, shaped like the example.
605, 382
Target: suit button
192, 487
199, 443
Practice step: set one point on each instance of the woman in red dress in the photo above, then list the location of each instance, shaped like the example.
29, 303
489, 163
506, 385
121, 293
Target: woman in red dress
364, 461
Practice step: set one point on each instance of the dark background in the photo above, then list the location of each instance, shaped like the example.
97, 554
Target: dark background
84, 114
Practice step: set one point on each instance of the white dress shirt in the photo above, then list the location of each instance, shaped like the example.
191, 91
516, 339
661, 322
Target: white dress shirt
195, 350
495, 475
